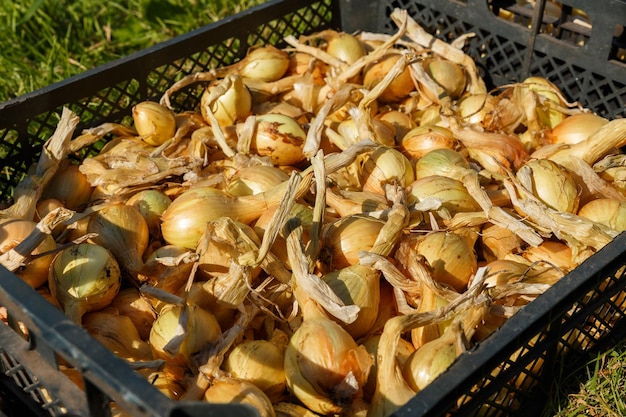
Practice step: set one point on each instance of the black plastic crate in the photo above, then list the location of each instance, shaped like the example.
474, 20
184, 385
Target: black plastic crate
499, 376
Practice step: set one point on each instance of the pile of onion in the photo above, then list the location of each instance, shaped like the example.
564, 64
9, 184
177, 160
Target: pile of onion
327, 231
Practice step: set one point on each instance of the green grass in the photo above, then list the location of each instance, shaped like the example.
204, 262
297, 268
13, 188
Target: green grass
596, 390
45, 41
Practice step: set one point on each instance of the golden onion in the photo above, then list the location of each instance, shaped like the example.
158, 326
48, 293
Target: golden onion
399, 88
576, 128
151, 204
227, 390
345, 47
265, 63
12, 232
357, 285
609, 212
84, 278
260, 362
452, 260
384, 166
452, 194
444, 161
448, 75
228, 107
179, 332
279, 137
422, 139
344, 238
552, 183
154, 122
256, 179
70, 186
123, 230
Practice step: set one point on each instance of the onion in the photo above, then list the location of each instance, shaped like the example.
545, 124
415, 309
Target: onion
453, 196
123, 230
280, 137
452, 260
154, 122
199, 330
14, 231
117, 333
285, 409
434, 357
344, 238
442, 161
325, 368
548, 99
423, 139
129, 302
228, 103
477, 109
265, 63
576, 128
151, 204
448, 75
553, 252
399, 88
170, 386
70, 186
345, 47
498, 242
404, 350
227, 390
256, 179
357, 285
552, 183
184, 221
609, 212
400, 120
84, 278
260, 362
386, 166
